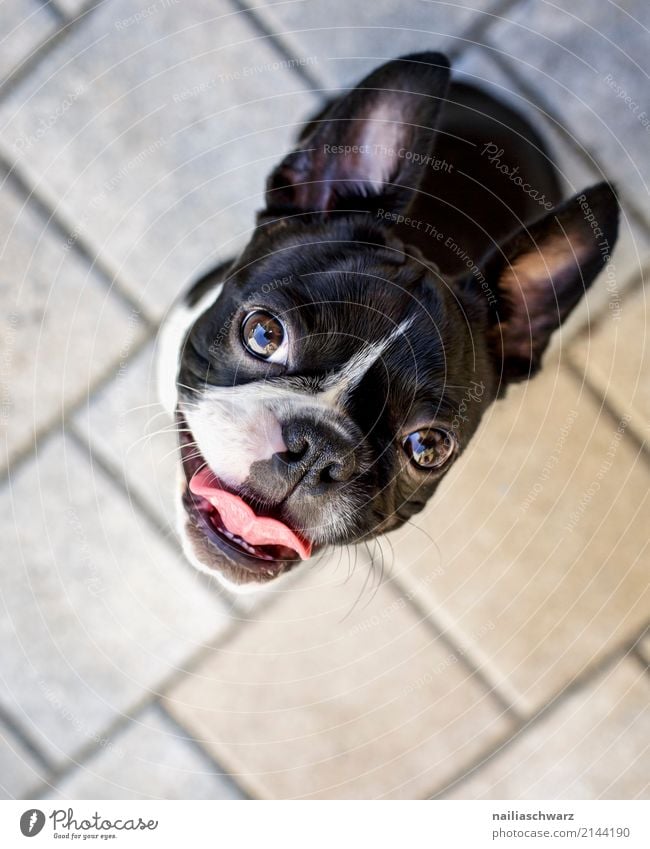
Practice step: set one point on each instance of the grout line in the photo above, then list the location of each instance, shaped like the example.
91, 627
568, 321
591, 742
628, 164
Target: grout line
25, 740
149, 699
581, 682
484, 23
165, 530
111, 472
476, 672
151, 696
235, 609
85, 7
53, 7
102, 267
188, 738
282, 45
28, 65
643, 660
581, 374
62, 419
596, 320
287, 47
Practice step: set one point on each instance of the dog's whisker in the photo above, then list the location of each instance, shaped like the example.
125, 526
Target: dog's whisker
352, 566
189, 388
153, 418
382, 574
373, 561
148, 437
338, 559
144, 407
430, 538
178, 448
360, 594
388, 542
373, 570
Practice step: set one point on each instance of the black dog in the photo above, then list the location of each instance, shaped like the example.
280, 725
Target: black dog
412, 260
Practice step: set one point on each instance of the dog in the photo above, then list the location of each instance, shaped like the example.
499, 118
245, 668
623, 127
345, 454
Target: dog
413, 259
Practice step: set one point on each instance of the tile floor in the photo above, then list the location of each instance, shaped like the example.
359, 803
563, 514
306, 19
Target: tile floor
503, 655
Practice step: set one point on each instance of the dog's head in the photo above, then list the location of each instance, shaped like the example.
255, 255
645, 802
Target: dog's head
329, 382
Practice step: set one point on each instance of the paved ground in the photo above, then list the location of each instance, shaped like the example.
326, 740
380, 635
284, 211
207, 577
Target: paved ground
503, 655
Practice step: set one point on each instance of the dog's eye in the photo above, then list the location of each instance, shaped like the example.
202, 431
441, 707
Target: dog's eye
430, 448
265, 337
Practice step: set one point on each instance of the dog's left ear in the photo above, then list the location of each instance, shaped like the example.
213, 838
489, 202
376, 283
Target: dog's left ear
371, 144
539, 275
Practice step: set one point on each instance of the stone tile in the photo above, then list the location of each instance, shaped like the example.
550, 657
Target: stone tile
150, 759
615, 359
152, 131
337, 691
99, 610
129, 430
25, 24
60, 327
632, 251
342, 40
590, 62
19, 772
593, 746
540, 530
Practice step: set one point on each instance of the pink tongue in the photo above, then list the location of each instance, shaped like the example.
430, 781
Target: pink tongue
240, 520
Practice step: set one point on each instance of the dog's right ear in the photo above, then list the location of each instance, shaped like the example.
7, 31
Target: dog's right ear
371, 146
541, 272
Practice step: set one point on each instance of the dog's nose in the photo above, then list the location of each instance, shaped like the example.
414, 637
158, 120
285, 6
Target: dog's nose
318, 451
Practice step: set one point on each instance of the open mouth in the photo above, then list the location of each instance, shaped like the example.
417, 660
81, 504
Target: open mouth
228, 534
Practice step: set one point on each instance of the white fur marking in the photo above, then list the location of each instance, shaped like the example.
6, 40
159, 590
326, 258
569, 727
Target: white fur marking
339, 385
170, 341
